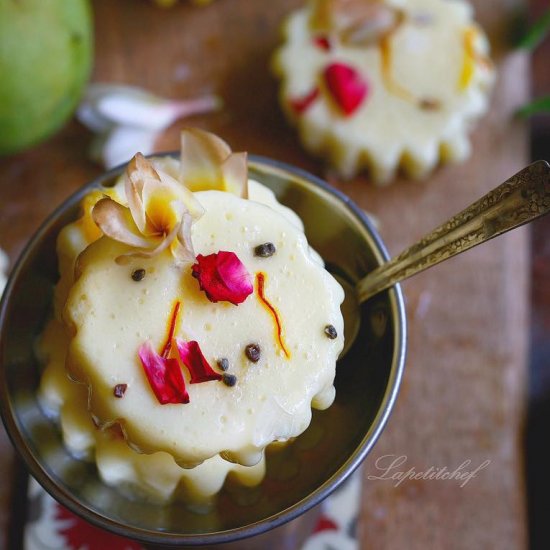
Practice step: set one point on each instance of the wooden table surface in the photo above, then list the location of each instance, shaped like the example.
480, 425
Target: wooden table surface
463, 394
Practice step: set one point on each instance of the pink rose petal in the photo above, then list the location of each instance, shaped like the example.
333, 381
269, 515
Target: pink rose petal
192, 357
164, 375
346, 86
223, 277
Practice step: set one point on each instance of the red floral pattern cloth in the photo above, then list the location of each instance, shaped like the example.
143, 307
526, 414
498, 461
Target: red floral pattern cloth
53, 527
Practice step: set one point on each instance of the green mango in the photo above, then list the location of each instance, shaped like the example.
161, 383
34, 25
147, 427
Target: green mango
46, 51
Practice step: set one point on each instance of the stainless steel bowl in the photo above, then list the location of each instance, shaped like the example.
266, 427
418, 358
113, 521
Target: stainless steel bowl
334, 445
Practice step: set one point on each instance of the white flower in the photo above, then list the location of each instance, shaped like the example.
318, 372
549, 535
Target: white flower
127, 119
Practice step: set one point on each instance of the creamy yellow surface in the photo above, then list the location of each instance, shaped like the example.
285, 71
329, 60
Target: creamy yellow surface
113, 315
108, 316
437, 52
153, 476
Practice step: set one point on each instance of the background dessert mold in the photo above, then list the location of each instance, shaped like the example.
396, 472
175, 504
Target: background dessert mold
337, 441
403, 97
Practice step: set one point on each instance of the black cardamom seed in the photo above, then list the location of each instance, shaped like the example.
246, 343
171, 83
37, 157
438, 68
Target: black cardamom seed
330, 331
138, 274
253, 352
120, 389
265, 250
229, 379
223, 363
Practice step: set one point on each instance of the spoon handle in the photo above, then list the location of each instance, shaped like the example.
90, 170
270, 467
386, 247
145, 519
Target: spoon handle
519, 200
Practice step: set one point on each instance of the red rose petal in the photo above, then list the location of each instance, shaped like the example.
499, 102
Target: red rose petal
322, 42
301, 104
164, 375
194, 360
346, 86
223, 277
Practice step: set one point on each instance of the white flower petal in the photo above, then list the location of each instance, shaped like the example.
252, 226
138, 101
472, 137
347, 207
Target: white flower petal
151, 113
88, 116
87, 111
122, 142
106, 105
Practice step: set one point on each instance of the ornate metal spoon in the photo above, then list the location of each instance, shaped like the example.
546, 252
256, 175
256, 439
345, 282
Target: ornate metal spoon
519, 200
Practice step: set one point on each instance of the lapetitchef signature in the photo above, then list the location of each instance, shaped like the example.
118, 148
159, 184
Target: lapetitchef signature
393, 468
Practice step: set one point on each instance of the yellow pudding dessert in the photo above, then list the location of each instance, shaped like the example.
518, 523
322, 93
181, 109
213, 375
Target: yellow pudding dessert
155, 477
193, 327
384, 84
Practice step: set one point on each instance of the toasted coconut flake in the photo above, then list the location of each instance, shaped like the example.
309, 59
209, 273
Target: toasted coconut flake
161, 209
163, 243
193, 206
116, 221
182, 247
207, 163
138, 171
354, 22
235, 174
159, 215
375, 24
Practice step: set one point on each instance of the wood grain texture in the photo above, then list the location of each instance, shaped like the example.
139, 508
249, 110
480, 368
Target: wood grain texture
463, 391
